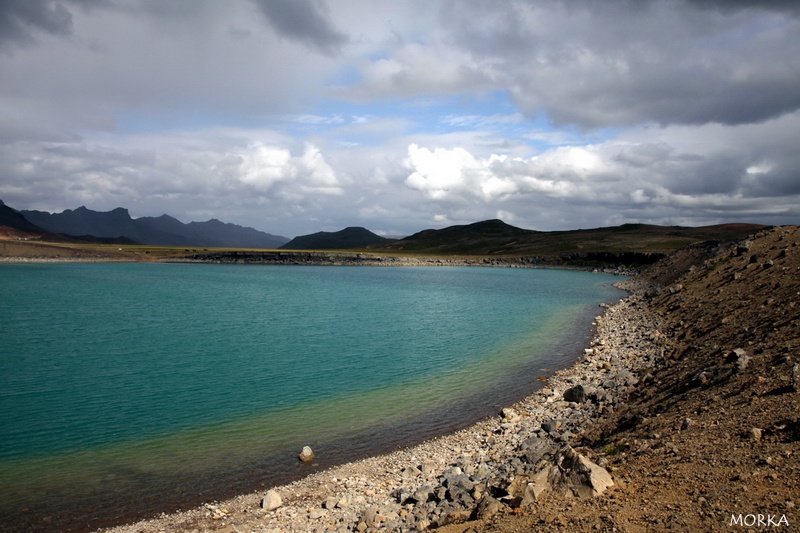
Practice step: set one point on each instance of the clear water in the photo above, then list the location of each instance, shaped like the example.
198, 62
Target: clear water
133, 381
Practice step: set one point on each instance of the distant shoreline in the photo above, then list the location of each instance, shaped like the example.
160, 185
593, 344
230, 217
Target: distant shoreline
332, 259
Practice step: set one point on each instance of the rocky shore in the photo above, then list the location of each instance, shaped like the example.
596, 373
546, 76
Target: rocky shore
683, 414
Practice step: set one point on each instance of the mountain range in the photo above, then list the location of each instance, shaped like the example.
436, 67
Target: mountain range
495, 237
485, 238
117, 224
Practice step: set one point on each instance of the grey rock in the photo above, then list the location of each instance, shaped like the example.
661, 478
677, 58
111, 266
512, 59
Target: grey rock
740, 358
452, 471
429, 467
454, 517
330, 502
344, 502
459, 480
575, 394
675, 288
373, 517
316, 514
627, 377
423, 494
743, 247
570, 473
487, 508
796, 378
551, 426
410, 472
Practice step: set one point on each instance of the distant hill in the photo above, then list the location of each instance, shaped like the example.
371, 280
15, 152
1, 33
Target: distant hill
495, 237
478, 238
11, 219
346, 239
163, 231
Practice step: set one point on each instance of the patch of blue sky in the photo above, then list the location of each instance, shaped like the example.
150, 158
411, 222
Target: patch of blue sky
542, 134
431, 115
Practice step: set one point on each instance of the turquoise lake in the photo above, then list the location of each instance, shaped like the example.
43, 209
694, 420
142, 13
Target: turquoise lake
165, 385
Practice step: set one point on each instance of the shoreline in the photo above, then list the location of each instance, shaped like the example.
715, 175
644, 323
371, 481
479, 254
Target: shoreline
421, 261
89, 513
622, 263
379, 492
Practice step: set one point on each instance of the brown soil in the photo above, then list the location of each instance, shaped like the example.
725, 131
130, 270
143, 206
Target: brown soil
14, 249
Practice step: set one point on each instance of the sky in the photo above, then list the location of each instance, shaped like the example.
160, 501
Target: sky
298, 116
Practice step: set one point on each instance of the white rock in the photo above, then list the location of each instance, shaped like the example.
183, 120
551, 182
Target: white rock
272, 500
306, 455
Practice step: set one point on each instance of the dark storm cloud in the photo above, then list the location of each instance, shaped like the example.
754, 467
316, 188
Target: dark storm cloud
619, 63
305, 21
787, 6
21, 19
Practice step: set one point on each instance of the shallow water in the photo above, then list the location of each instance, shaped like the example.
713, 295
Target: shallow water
143, 387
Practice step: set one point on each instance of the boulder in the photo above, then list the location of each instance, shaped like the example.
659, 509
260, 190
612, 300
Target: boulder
570, 473
271, 501
306, 455
583, 474
538, 484
576, 394
330, 502
487, 508
372, 517
410, 472
429, 467
551, 426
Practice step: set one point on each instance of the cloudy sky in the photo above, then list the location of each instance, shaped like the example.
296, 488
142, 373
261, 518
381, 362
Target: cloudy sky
295, 116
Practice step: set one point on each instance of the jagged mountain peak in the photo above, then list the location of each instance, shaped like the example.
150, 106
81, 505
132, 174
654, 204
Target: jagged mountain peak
164, 230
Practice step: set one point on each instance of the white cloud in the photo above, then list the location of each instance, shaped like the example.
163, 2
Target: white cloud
263, 166
440, 172
653, 175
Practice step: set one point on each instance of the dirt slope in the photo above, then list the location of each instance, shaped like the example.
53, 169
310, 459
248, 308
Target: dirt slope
711, 442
